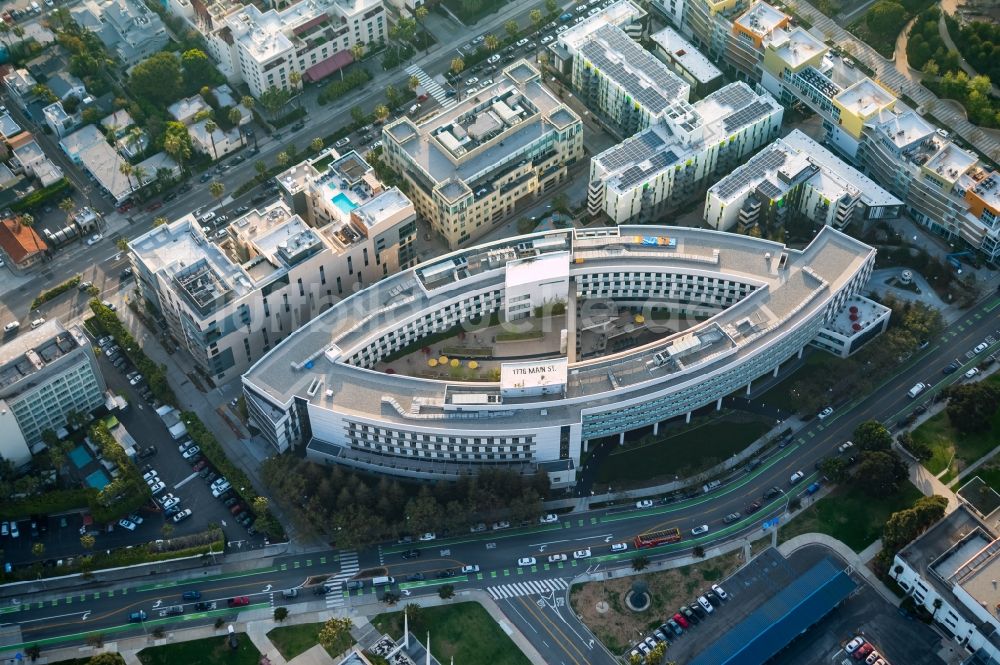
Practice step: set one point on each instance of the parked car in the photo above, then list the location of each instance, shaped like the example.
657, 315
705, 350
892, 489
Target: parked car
526, 561
126, 524
181, 516
466, 570
427, 537
825, 413
645, 503
581, 554
548, 519
556, 558
720, 592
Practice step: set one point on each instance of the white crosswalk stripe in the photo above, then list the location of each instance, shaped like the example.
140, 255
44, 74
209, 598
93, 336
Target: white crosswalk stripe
335, 583
335, 595
432, 87
527, 588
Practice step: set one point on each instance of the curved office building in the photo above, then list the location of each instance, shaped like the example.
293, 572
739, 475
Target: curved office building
518, 352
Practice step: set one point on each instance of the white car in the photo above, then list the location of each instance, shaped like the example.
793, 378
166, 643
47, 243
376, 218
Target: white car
844, 447
221, 233
796, 477
547, 38
153, 480
521, 42
980, 347
191, 452
720, 592
181, 516
342, 142
551, 518
497, 526
94, 239
110, 305
13, 325
472, 80
555, 558
171, 502
526, 561
582, 554
37, 322
166, 497
218, 481
619, 547
14, 532
825, 413
126, 524
135, 380
136, 518
427, 537
5, 529
221, 489
562, 28
645, 503
705, 605
487, 83
158, 487
698, 530
149, 475
972, 372
478, 528
854, 644
469, 569
493, 59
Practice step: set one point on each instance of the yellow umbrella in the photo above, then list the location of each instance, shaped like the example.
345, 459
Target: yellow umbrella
432, 362
639, 318
473, 364
443, 360
455, 362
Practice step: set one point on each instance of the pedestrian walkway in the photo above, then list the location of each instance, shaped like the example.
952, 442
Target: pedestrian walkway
335, 596
853, 559
528, 588
432, 87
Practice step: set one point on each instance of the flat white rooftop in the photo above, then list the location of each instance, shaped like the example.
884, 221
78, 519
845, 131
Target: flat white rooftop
845, 175
865, 98
536, 270
686, 55
795, 47
761, 19
533, 374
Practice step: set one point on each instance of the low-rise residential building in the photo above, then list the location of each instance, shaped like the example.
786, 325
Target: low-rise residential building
217, 143
470, 165
310, 37
88, 148
185, 110
21, 85
675, 160
686, 61
795, 175
951, 572
64, 85
128, 28
20, 245
28, 158
944, 188
228, 304
59, 121
45, 374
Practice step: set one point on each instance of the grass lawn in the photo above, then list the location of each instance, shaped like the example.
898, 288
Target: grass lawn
781, 394
849, 516
953, 448
209, 651
464, 631
293, 640
685, 452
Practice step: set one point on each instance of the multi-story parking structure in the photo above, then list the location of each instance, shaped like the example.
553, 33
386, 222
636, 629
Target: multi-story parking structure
229, 303
795, 175
944, 187
45, 374
470, 165
675, 160
688, 316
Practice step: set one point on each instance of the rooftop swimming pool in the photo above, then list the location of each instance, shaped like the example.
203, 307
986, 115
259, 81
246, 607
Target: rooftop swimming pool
344, 203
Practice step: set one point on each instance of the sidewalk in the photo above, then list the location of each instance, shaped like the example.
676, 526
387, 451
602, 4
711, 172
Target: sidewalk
856, 561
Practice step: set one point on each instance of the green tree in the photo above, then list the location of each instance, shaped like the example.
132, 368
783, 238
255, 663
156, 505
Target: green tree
260, 166
536, 17
159, 221
551, 6
197, 69
273, 100
511, 27
210, 127
640, 562
413, 83
280, 613
282, 159
167, 529
872, 435
491, 42
886, 17
834, 468
657, 653
334, 631
157, 79
457, 65
415, 612
635, 658
126, 170
880, 473
381, 112
38, 550
358, 115
177, 142
446, 591
216, 189
87, 541
68, 206
972, 406
357, 51
392, 95
316, 144
106, 658
235, 116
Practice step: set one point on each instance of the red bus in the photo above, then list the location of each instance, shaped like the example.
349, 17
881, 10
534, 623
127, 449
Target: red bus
656, 538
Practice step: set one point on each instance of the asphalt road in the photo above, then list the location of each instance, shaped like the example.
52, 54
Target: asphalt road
533, 597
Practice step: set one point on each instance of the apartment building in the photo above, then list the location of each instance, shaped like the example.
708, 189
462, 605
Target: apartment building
469, 166
262, 48
795, 175
675, 160
21, 85
951, 571
340, 190
128, 28
45, 374
944, 188
686, 61
228, 304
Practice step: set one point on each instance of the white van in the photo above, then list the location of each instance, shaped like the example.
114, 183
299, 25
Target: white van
916, 390
383, 581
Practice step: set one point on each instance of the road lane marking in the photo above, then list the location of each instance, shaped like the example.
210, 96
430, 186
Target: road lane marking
57, 616
186, 481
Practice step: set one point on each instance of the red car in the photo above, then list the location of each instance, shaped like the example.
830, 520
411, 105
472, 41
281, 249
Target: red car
125, 207
239, 601
200, 465
683, 622
863, 651
155, 205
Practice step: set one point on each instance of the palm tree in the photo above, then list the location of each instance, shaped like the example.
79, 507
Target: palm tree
316, 144
210, 127
282, 158
216, 189
235, 116
68, 206
412, 83
295, 79
491, 42
357, 50
159, 221
457, 65
26, 220
536, 17
381, 112
176, 148
392, 95
126, 170
140, 175
134, 138
511, 26
261, 168
420, 13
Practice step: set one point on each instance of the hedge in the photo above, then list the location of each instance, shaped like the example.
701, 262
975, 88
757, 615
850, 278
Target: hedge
155, 375
49, 503
337, 89
55, 291
212, 450
124, 494
289, 118
39, 196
